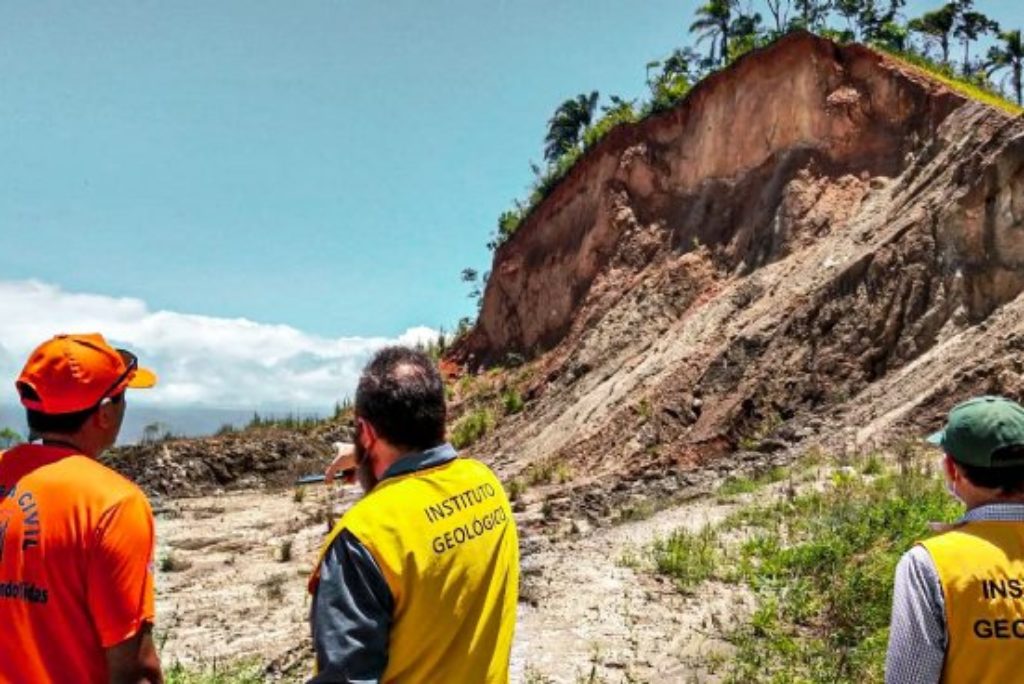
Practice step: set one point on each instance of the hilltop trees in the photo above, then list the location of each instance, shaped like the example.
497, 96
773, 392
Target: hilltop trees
730, 28
1009, 55
955, 19
675, 78
714, 21
811, 14
566, 125
936, 27
970, 26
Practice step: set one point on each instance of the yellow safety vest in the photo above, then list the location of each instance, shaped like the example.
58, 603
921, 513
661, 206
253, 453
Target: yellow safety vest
446, 543
981, 568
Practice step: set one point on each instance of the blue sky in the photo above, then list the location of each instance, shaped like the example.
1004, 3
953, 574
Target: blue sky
329, 166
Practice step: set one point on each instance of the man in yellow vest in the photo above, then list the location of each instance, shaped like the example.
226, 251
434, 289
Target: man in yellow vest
419, 580
958, 601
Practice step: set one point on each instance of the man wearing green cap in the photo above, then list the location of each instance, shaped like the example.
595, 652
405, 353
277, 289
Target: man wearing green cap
958, 600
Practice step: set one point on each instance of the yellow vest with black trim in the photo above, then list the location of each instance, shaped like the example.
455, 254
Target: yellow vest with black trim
446, 543
981, 568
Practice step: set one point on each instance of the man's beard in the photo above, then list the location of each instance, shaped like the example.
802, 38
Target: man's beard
364, 468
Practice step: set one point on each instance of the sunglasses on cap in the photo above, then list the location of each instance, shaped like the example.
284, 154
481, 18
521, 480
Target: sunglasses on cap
131, 363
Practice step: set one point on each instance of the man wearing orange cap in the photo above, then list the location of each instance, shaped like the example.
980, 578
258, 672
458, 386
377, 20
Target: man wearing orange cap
76, 538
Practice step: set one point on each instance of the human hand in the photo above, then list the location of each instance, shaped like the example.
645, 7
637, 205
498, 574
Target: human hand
344, 464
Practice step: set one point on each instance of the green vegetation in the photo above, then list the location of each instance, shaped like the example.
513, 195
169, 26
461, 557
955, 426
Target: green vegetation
977, 88
1009, 56
515, 488
819, 565
512, 401
730, 29
171, 562
471, 427
688, 557
736, 485
9, 438
547, 471
289, 421
154, 433
244, 672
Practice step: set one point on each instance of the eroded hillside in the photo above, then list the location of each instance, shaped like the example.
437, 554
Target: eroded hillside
819, 237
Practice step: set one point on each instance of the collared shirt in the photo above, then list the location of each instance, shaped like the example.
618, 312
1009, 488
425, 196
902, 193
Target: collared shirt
351, 612
917, 633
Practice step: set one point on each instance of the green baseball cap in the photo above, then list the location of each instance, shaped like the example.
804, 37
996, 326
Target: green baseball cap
978, 428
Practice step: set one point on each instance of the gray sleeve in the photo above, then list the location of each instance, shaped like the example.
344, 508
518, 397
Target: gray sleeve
350, 616
917, 632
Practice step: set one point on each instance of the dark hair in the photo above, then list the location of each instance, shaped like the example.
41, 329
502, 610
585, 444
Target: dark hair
62, 423
402, 395
1008, 480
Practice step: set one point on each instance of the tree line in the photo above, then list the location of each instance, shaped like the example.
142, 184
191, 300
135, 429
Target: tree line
724, 30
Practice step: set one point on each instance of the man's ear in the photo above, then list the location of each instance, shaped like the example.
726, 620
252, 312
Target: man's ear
952, 469
369, 433
105, 416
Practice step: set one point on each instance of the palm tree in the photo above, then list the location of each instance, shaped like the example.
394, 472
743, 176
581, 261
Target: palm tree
936, 26
713, 21
1009, 55
567, 124
970, 27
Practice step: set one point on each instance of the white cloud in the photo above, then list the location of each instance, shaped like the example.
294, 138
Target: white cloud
200, 360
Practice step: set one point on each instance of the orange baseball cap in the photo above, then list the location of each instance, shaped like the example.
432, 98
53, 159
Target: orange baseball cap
72, 373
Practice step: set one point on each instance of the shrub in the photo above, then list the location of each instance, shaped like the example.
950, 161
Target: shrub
512, 402
688, 557
471, 427
170, 562
515, 488
547, 471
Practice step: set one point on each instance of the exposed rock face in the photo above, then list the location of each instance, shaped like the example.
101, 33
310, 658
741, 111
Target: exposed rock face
715, 170
808, 226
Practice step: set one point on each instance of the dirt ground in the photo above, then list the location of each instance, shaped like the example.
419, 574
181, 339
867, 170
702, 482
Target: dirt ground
588, 608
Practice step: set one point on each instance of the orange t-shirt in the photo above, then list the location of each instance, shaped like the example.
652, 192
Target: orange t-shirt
76, 565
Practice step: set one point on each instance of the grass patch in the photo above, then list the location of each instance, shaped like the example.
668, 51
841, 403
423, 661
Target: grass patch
688, 557
512, 402
515, 488
948, 78
820, 566
736, 485
471, 427
640, 510
243, 672
546, 472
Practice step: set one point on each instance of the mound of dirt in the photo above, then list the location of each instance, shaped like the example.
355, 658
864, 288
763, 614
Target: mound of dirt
818, 237
251, 459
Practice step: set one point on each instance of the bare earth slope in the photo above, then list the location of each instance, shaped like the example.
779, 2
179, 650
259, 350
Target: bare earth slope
819, 236
820, 245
